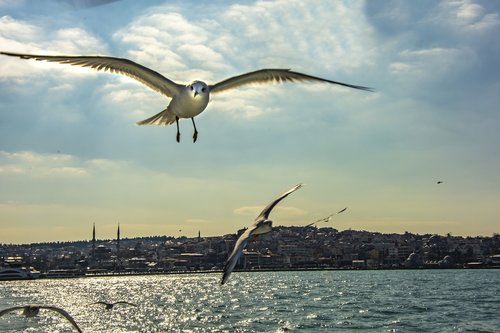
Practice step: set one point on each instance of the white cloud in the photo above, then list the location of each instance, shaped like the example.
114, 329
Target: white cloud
471, 16
325, 35
53, 165
106, 165
9, 169
156, 40
467, 11
17, 30
323, 38
465, 16
32, 157
25, 37
74, 41
432, 63
247, 103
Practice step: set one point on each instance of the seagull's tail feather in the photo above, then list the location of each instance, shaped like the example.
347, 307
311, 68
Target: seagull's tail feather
164, 118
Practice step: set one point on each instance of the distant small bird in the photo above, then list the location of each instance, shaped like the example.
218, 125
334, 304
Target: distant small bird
188, 100
326, 219
439, 182
110, 306
261, 226
32, 310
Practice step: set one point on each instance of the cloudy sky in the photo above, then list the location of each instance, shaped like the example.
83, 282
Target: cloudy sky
71, 153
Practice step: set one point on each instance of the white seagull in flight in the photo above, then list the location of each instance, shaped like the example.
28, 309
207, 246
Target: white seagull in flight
326, 219
261, 226
110, 306
187, 101
32, 310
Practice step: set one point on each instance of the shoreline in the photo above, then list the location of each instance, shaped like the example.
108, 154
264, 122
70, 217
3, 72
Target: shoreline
195, 272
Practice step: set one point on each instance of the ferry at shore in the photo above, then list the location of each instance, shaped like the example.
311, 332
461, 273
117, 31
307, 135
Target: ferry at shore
18, 273
63, 274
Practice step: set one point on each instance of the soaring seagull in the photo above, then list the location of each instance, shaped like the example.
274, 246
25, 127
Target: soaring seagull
326, 219
109, 306
187, 101
262, 225
32, 310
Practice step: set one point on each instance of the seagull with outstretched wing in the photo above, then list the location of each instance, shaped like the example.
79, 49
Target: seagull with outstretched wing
326, 219
109, 306
32, 310
187, 101
262, 225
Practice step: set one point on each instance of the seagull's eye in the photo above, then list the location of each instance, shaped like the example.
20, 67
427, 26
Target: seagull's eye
191, 87
203, 89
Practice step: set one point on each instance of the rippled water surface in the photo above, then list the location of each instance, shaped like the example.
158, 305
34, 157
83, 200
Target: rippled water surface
319, 301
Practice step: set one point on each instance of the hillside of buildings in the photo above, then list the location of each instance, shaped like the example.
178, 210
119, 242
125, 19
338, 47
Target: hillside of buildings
284, 248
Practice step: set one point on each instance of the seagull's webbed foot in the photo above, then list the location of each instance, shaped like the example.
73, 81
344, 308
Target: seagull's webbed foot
195, 134
178, 136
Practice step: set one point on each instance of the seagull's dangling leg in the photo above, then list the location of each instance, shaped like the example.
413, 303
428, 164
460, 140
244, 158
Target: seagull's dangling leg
195, 134
178, 137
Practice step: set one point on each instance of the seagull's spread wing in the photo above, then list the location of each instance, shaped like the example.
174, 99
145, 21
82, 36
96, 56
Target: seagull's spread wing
127, 303
15, 308
150, 78
65, 314
241, 243
100, 302
324, 219
273, 75
265, 213
342, 210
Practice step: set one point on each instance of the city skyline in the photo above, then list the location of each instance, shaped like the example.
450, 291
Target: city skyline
113, 235
71, 154
286, 247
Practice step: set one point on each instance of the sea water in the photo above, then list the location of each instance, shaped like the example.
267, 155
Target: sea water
306, 301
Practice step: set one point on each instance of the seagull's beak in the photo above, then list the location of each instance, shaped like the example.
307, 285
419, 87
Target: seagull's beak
195, 93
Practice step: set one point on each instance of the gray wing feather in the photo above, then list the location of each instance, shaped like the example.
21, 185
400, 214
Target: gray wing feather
241, 243
325, 219
148, 77
127, 303
273, 75
65, 314
11, 310
266, 211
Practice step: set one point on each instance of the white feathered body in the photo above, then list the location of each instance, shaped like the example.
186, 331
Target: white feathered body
185, 104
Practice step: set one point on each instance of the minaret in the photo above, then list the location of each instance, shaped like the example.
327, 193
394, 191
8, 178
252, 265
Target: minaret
118, 240
117, 264
93, 243
199, 235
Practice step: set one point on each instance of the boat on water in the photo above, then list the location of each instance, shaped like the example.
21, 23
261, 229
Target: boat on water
63, 273
18, 273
